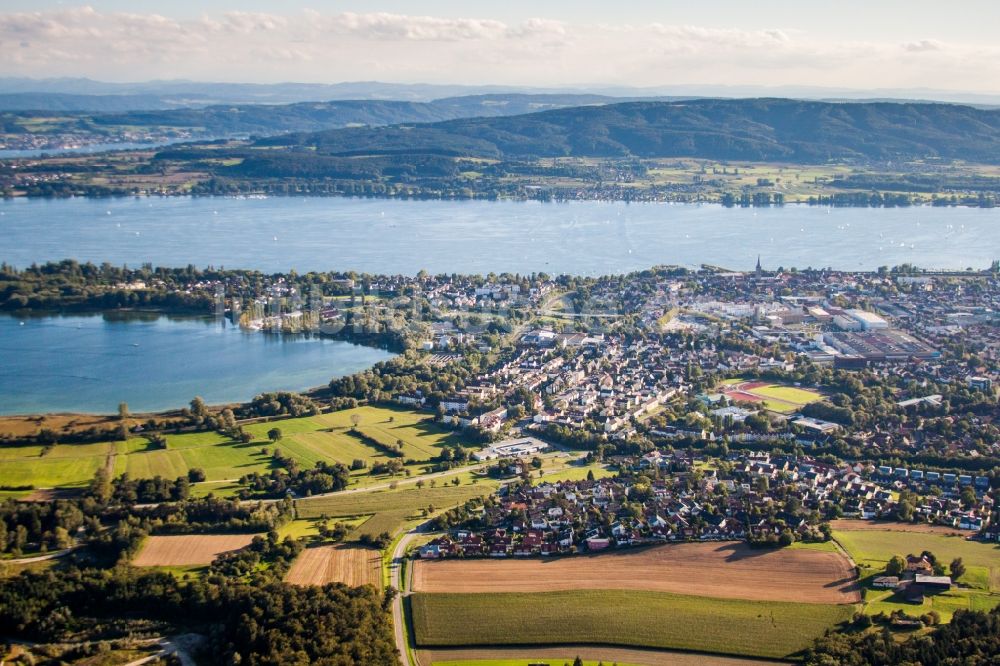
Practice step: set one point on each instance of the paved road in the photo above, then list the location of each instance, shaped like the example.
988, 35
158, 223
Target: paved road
395, 579
41, 558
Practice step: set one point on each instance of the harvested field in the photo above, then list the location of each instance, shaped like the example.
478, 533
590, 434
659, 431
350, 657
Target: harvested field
844, 524
723, 570
350, 565
188, 549
566, 654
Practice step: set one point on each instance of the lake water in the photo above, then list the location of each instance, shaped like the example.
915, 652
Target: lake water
91, 363
392, 236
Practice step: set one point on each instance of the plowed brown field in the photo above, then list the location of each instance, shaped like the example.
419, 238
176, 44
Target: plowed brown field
188, 549
726, 570
350, 565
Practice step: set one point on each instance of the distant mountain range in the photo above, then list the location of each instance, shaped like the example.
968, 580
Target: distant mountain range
266, 119
75, 94
757, 129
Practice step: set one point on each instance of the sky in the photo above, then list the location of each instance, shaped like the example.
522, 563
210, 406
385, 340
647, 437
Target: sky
870, 44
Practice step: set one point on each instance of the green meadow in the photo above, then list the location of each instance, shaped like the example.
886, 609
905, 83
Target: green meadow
307, 440
978, 589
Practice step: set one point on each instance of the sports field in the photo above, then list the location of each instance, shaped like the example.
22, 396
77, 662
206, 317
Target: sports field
728, 570
774, 397
630, 618
351, 565
308, 440
188, 549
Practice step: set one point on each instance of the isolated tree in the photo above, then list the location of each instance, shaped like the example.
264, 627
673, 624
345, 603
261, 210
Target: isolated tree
355, 419
274, 434
904, 512
196, 474
957, 568
198, 408
895, 566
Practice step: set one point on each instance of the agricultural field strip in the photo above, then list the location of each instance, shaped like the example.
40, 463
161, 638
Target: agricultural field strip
592, 655
631, 618
337, 564
409, 499
187, 549
721, 570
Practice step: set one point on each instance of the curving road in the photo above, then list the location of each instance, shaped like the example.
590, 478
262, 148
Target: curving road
395, 579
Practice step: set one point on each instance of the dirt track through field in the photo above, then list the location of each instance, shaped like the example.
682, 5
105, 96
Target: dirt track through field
728, 570
846, 525
566, 654
350, 565
188, 549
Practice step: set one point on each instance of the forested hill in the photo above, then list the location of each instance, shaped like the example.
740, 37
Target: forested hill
313, 116
755, 129
104, 113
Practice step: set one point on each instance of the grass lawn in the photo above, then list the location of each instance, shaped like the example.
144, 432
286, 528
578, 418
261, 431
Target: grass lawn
822, 546
574, 472
875, 548
872, 549
308, 528
647, 619
945, 603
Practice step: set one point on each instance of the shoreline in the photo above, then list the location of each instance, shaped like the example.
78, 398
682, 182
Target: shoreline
19, 195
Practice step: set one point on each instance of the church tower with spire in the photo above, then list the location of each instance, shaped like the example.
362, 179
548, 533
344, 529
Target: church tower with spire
760, 271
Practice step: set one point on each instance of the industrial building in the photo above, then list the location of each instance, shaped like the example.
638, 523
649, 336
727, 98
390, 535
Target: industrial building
873, 346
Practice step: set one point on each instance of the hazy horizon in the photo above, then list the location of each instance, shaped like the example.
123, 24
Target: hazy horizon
895, 45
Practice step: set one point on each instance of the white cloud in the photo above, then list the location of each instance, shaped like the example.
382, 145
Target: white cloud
924, 45
317, 46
